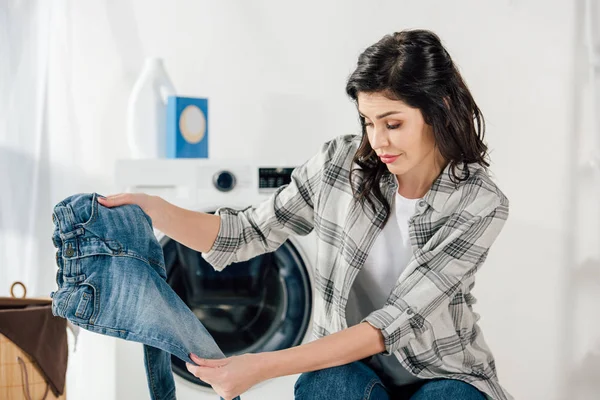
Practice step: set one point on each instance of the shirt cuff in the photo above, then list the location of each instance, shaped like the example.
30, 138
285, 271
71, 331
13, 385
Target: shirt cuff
223, 250
394, 324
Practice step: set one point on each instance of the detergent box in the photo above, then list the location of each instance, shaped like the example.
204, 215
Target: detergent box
187, 127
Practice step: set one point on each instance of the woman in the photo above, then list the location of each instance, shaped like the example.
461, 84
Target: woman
404, 215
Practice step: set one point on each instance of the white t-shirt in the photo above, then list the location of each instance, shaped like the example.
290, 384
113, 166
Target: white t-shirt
388, 257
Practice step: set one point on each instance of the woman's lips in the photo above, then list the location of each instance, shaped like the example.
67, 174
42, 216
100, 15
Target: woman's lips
389, 159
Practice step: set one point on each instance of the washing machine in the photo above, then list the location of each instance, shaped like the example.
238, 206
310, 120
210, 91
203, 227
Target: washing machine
262, 304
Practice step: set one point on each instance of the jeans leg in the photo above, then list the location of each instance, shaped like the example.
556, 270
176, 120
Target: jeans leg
447, 389
354, 381
158, 373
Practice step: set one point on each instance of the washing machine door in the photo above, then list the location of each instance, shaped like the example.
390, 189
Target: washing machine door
262, 304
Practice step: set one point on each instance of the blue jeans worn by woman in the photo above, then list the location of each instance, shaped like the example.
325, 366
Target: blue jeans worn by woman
111, 280
357, 381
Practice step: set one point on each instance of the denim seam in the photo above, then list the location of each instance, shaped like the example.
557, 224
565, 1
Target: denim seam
96, 304
92, 255
96, 300
94, 213
156, 263
69, 214
121, 253
68, 265
66, 303
82, 305
83, 325
171, 394
86, 326
128, 254
151, 370
74, 233
133, 255
370, 388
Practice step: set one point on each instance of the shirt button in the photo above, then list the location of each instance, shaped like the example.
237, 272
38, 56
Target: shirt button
422, 203
409, 311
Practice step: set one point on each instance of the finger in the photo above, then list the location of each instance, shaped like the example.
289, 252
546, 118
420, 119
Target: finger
204, 373
115, 200
193, 369
205, 362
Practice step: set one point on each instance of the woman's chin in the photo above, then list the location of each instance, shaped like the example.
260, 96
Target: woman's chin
398, 167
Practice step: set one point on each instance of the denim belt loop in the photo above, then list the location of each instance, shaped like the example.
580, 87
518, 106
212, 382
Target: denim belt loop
69, 234
66, 219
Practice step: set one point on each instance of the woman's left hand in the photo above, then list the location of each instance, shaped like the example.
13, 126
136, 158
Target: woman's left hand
229, 377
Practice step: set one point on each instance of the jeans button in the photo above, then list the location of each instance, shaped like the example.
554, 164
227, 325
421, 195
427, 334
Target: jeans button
69, 252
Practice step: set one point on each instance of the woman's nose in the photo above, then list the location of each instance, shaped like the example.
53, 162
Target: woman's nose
379, 139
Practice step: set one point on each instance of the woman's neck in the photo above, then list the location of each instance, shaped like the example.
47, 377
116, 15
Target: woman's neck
416, 183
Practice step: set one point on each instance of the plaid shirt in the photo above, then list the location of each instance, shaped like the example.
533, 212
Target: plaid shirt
427, 322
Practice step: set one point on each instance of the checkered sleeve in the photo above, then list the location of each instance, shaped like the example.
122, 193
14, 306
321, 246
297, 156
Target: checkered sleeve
255, 230
419, 298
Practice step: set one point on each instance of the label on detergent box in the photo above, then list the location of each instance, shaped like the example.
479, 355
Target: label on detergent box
187, 127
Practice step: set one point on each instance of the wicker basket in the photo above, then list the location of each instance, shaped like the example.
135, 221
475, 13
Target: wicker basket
20, 377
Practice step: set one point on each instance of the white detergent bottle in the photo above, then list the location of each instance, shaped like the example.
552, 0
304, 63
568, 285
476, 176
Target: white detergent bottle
147, 111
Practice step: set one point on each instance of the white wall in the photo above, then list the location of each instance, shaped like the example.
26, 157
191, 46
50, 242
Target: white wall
275, 75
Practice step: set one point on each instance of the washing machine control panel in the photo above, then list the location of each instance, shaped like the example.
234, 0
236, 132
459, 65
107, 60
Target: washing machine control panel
272, 178
224, 181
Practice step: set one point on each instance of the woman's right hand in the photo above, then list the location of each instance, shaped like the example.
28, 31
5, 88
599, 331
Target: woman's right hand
147, 203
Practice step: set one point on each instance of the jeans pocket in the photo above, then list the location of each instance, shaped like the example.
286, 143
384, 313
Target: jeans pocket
86, 304
60, 299
83, 310
78, 302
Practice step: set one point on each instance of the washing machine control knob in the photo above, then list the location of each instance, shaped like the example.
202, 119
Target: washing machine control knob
224, 181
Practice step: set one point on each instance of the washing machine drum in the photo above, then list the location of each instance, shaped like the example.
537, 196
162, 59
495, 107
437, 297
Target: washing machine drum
262, 304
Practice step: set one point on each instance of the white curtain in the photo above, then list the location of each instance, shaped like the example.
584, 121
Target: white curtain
58, 138
24, 161
53, 136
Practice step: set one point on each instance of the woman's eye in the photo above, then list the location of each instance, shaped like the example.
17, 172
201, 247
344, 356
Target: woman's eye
370, 125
